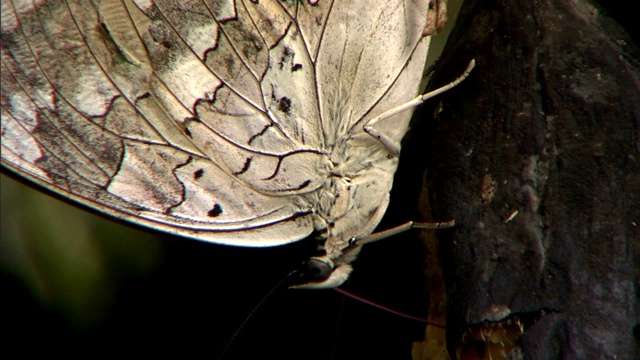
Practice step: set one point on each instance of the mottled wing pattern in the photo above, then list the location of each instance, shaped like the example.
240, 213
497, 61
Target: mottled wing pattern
206, 119
87, 113
376, 62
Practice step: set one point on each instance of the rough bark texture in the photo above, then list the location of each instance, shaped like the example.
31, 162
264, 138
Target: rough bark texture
548, 125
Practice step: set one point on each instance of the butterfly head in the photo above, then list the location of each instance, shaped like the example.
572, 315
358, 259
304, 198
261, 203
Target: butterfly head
340, 204
321, 272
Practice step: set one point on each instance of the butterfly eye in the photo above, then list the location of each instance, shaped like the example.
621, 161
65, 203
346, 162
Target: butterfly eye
352, 242
317, 269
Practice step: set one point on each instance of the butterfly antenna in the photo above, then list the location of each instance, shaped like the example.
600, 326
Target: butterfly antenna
252, 312
382, 307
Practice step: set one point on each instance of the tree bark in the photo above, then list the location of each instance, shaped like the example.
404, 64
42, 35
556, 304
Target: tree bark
537, 157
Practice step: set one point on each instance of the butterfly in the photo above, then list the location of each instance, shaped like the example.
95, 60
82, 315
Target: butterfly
240, 123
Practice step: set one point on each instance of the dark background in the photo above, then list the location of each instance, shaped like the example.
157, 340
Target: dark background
546, 125
78, 285
75, 284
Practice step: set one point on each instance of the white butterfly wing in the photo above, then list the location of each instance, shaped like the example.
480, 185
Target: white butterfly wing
362, 59
81, 116
209, 120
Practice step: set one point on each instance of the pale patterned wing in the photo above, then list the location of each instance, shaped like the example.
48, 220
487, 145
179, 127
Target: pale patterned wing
251, 105
116, 105
363, 61
207, 119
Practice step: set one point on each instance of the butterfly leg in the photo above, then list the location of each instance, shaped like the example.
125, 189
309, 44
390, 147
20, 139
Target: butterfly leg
402, 228
392, 146
353, 248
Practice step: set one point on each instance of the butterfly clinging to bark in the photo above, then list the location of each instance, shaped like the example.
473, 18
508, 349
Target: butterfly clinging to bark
250, 123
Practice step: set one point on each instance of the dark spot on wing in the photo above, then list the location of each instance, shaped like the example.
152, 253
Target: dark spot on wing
296, 67
287, 56
303, 185
288, 51
284, 104
244, 169
198, 174
161, 34
146, 95
217, 210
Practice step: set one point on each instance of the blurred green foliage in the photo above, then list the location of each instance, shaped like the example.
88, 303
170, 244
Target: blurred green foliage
68, 260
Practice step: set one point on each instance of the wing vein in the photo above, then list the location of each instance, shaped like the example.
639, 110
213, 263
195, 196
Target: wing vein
186, 44
61, 96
